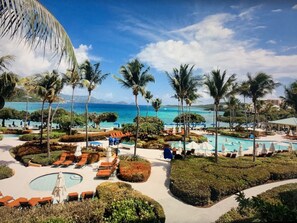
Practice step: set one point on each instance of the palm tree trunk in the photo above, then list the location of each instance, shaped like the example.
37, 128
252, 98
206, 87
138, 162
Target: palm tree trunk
26, 118
137, 125
48, 130
216, 141
71, 114
230, 116
41, 121
87, 119
54, 113
245, 113
254, 132
184, 120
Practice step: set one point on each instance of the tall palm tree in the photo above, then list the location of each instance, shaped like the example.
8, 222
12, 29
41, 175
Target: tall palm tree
290, 97
258, 86
243, 90
29, 20
8, 82
92, 76
135, 78
156, 103
72, 78
234, 89
148, 96
183, 82
218, 86
55, 87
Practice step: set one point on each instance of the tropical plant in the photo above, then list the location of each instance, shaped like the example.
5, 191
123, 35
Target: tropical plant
5, 62
218, 86
92, 76
243, 90
258, 86
290, 97
8, 82
103, 117
156, 103
148, 96
135, 78
73, 78
183, 82
29, 20
192, 118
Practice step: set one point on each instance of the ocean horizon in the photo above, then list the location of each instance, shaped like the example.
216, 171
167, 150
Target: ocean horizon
126, 112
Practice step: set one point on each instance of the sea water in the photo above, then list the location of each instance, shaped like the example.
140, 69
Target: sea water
126, 112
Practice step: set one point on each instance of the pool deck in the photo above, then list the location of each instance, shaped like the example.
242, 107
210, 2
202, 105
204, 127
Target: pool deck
157, 186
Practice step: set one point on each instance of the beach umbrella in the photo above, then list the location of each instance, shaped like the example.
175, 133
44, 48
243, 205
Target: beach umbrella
78, 151
240, 150
264, 150
223, 148
193, 145
60, 191
291, 132
272, 147
206, 146
179, 146
290, 147
108, 154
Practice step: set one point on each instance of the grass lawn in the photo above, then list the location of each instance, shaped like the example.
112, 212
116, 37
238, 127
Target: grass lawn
201, 182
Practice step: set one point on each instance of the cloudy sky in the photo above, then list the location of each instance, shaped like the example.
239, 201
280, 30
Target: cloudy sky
237, 36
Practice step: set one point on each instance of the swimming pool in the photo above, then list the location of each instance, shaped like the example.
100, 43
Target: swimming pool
11, 135
232, 143
47, 182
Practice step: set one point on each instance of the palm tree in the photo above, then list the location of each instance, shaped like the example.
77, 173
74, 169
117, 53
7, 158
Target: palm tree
232, 102
32, 22
135, 78
243, 90
258, 86
72, 78
8, 82
92, 76
290, 97
5, 61
183, 82
148, 96
156, 103
218, 87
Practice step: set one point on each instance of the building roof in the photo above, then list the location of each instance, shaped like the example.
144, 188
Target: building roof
286, 121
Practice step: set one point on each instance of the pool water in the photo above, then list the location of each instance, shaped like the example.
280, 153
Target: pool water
11, 135
47, 182
232, 143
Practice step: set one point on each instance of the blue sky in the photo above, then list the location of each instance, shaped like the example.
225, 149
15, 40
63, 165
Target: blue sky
237, 36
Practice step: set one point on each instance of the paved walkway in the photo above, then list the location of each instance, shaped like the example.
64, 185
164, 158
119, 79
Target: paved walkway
156, 186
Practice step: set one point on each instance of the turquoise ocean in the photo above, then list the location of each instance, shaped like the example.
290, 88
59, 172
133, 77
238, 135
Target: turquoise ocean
125, 112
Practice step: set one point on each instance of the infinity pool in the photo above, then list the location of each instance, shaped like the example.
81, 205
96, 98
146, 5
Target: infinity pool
47, 182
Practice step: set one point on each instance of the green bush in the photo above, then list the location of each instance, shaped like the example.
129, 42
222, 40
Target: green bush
5, 172
211, 182
276, 205
41, 158
1, 137
36, 136
82, 137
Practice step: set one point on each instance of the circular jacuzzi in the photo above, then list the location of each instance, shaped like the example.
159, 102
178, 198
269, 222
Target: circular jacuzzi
47, 182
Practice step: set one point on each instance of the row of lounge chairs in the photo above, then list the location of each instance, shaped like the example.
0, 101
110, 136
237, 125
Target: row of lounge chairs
67, 159
106, 169
23, 202
119, 134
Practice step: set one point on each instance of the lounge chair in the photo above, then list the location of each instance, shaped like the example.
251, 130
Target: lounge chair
87, 195
69, 161
83, 161
228, 155
73, 196
30, 203
61, 160
106, 165
4, 200
269, 154
16, 202
45, 200
106, 173
233, 155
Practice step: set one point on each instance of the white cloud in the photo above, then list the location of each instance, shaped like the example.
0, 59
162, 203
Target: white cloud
210, 43
276, 10
271, 41
294, 7
28, 62
248, 14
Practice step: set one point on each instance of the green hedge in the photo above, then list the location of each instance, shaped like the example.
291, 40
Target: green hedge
200, 181
41, 158
36, 136
275, 205
118, 193
5, 172
82, 137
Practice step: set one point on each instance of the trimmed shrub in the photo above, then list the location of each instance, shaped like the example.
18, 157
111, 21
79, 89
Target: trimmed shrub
211, 182
133, 169
36, 136
5, 172
82, 137
41, 158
